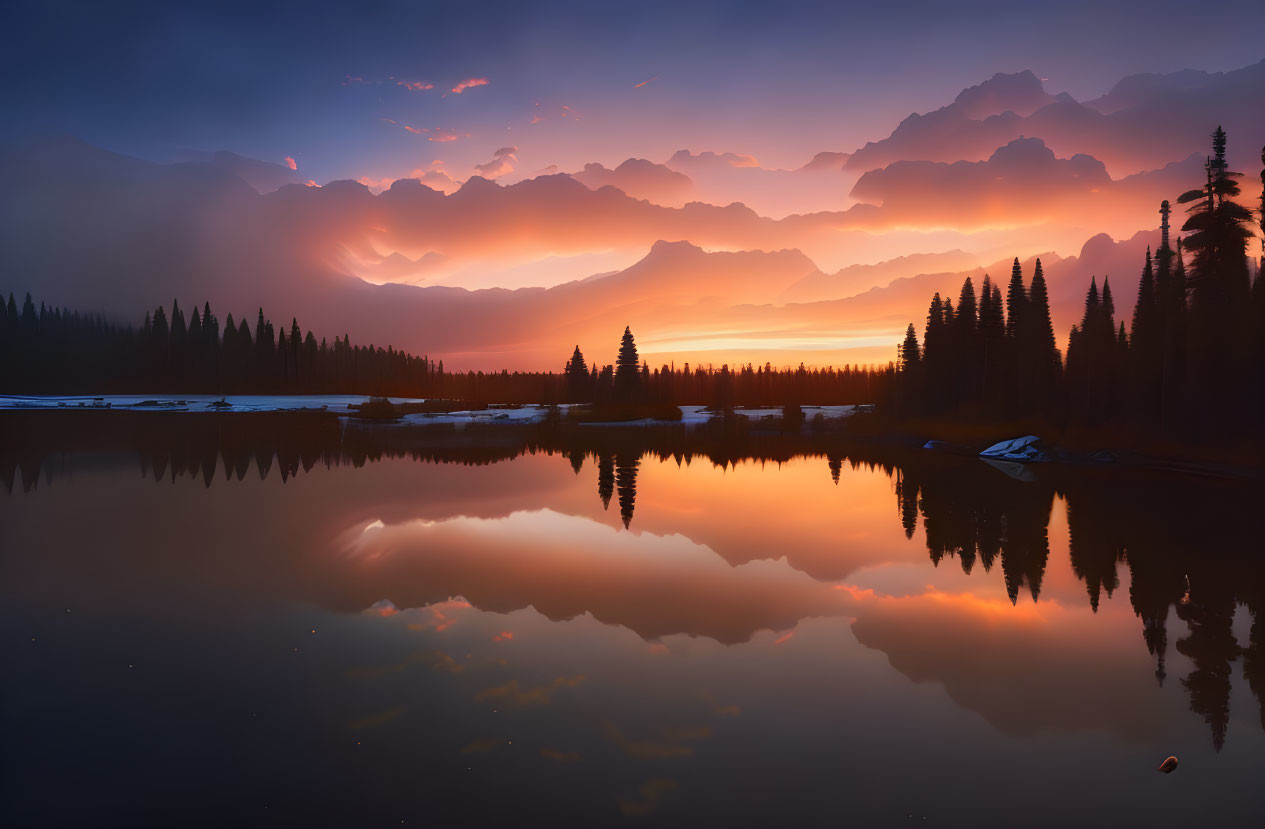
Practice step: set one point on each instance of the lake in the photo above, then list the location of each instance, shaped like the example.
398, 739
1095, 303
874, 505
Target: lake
279, 620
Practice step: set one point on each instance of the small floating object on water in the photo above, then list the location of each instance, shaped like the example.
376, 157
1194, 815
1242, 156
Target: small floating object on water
1168, 765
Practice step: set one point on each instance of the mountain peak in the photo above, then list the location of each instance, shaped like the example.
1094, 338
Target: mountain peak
1018, 92
663, 249
827, 161
1022, 150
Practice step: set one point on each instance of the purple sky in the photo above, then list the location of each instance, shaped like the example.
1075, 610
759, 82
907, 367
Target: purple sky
778, 81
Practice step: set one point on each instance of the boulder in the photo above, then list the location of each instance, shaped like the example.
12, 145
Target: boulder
1027, 449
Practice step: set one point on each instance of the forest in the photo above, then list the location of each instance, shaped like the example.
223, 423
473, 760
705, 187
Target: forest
57, 351
1190, 361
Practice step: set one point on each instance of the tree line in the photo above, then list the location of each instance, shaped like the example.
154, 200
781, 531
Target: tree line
1190, 361
46, 350
630, 380
54, 350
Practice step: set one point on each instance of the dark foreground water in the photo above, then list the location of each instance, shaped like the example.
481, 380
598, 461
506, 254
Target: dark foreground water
284, 624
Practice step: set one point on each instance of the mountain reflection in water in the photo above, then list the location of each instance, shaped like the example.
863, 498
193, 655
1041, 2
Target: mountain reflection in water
711, 612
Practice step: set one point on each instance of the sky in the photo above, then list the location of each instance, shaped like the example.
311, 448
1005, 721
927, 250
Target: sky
780, 82
776, 182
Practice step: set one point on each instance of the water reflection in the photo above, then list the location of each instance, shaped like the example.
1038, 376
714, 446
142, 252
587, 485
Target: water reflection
701, 542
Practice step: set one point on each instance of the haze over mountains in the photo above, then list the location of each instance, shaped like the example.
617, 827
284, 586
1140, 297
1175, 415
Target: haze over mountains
709, 256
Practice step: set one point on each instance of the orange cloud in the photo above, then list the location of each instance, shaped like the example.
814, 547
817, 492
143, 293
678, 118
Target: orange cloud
469, 83
396, 123
416, 86
382, 608
291, 163
646, 81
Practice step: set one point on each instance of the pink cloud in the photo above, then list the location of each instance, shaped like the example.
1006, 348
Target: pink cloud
434, 177
469, 83
412, 86
640, 179
437, 180
291, 163
711, 159
442, 134
643, 83
376, 184
503, 161
439, 134
542, 114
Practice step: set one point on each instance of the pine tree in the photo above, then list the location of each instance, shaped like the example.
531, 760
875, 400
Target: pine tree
576, 377
1041, 354
1145, 311
1146, 367
1016, 298
606, 478
935, 357
910, 353
1163, 257
992, 330
966, 343
1258, 312
910, 364
628, 370
1220, 290
1085, 357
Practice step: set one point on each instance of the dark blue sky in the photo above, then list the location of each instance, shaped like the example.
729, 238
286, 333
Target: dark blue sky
780, 81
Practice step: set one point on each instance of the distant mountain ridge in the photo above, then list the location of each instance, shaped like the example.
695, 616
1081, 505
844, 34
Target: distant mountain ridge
1144, 122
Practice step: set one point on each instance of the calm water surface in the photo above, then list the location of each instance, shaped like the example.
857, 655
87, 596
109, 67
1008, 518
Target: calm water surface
626, 638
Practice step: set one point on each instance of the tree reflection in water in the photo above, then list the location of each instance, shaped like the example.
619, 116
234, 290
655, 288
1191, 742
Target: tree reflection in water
1187, 543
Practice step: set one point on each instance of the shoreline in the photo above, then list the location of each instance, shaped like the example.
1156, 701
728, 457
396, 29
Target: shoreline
837, 425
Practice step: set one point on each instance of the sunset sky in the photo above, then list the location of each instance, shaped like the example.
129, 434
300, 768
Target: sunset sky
715, 103
271, 80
